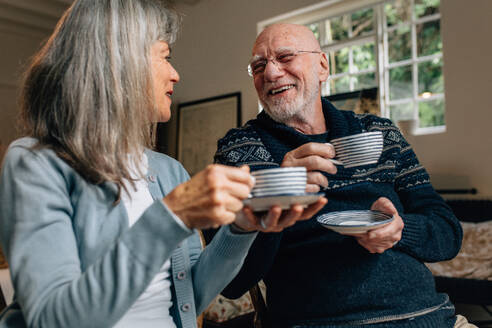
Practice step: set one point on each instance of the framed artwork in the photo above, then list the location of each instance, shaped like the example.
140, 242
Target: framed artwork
200, 124
361, 101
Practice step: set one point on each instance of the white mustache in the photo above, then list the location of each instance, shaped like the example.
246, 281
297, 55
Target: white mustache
275, 85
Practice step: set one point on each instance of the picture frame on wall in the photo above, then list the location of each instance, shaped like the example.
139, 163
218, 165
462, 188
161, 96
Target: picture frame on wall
364, 101
200, 124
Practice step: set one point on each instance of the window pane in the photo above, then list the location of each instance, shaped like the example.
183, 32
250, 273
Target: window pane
362, 22
364, 81
401, 112
315, 29
429, 38
431, 113
325, 88
339, 61
364, 57
398, 12
430, 78
426, 7
340, 85
337, 29
400, 82
400, 44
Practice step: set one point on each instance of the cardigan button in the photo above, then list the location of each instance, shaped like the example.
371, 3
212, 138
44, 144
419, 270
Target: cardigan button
152, 178
181, 275
185, 307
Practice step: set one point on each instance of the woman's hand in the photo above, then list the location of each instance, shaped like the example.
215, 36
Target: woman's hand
275, 220
381, 239
212, 197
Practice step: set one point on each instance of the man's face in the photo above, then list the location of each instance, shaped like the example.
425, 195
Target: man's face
287, 89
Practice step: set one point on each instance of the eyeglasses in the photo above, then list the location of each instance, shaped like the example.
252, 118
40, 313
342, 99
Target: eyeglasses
282, 60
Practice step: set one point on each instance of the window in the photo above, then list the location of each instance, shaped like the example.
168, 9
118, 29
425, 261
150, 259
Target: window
393, 44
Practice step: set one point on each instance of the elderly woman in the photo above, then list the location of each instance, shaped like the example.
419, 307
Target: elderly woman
99, 231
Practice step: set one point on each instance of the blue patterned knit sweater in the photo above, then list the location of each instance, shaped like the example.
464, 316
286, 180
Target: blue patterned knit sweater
318, 278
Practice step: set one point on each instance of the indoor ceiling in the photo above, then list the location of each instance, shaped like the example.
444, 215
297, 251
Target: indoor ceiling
39, 17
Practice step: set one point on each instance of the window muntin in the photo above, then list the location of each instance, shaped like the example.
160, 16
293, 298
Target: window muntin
395, 45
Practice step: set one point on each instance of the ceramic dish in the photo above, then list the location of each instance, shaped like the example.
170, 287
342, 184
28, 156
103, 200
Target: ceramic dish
354, 221
284, 201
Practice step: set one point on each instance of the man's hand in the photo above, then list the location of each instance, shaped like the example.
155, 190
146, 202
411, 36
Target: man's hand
275, 220
315, 157
212, 197
381, 239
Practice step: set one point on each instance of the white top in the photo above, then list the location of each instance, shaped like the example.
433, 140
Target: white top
151, 309
6, 286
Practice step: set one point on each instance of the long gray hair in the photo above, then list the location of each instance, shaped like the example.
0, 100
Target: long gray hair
88, 92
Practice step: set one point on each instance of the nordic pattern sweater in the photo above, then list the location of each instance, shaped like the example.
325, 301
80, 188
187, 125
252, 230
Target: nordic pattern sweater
318, 278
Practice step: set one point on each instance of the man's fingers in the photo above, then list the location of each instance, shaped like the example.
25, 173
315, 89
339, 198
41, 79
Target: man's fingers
324, 150
253, 220
312, 188
290, 217
315, 163
314, 156
314, 208
271, 219
384, 205
317, 178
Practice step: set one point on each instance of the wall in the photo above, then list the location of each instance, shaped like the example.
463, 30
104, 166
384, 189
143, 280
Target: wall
24, 25
215, 45
466, 148
16, 51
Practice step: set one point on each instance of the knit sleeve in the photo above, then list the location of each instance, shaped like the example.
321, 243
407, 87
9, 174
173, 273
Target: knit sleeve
243, 146
431, 233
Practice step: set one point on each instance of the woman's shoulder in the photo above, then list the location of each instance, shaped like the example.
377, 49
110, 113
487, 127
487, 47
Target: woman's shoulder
160, 159
26, 160
163, 163
28, 150
23, 145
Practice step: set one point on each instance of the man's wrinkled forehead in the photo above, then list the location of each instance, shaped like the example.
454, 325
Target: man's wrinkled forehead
284, 36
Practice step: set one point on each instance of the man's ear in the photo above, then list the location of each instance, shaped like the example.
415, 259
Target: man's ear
324, 72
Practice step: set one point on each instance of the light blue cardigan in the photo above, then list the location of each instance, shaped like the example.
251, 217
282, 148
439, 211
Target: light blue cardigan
74, 261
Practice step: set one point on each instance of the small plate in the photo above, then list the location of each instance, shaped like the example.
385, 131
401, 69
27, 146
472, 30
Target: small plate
354, 221
284, 201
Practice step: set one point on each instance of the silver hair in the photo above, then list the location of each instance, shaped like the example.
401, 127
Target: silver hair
88, 92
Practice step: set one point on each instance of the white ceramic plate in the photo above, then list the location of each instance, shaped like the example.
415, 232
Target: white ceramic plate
354, 221
284, 201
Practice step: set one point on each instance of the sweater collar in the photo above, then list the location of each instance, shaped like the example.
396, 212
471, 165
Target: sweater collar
337, 122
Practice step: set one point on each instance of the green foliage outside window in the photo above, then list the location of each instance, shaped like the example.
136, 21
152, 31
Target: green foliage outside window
355, 65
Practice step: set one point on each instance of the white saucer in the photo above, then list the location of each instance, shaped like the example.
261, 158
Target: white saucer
284, 201
354, 221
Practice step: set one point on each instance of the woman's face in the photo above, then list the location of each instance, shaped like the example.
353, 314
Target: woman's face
164, 76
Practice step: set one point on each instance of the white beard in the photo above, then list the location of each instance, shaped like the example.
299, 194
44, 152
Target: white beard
283, 110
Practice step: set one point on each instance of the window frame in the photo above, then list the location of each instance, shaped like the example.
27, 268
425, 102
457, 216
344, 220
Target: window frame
321, 12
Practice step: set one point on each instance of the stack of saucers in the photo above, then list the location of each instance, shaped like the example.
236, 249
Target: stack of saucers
279, 181
359, 149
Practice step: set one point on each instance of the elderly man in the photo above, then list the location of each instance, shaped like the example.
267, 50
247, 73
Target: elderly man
316, 277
